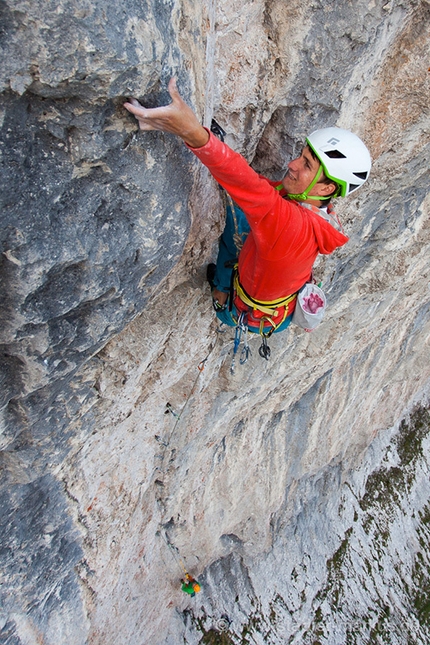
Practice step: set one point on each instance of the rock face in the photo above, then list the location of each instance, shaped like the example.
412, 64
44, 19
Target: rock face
296, 490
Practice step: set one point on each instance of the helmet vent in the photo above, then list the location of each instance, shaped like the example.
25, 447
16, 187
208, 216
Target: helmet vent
353, 187
335, 154
361, 175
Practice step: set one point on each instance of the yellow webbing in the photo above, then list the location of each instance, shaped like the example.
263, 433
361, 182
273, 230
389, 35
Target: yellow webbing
268, 306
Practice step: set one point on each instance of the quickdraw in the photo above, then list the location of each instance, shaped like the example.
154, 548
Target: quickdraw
241, 328
264, 349
269, 308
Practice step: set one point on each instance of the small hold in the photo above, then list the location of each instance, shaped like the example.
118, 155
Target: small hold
8, 254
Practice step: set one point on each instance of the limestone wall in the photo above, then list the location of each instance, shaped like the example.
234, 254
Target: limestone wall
292, 488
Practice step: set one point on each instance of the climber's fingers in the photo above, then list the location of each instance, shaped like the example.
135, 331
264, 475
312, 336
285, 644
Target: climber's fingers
176, 118
142, 114
134, 107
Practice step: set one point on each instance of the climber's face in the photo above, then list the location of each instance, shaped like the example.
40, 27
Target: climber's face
301, 172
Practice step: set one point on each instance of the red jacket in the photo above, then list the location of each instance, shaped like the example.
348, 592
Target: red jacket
285, 238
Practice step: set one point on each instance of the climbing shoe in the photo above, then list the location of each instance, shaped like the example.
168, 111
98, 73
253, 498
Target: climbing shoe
218, 306
210, 275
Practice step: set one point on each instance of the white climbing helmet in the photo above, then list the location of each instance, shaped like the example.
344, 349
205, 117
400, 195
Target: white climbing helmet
343, 156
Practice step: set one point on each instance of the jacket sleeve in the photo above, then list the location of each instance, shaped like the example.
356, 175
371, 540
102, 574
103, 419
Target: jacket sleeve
252, 193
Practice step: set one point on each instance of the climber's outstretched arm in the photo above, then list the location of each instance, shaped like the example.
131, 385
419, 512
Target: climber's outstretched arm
176, 118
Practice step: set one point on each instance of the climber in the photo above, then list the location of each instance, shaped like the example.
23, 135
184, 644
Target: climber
283, 225
190, 585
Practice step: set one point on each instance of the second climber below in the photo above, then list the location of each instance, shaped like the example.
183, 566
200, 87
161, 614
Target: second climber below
283, 225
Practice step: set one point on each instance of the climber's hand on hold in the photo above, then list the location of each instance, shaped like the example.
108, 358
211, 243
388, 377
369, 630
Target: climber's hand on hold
176, 118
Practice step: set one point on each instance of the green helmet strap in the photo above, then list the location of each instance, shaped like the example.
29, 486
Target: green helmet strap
305, 194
